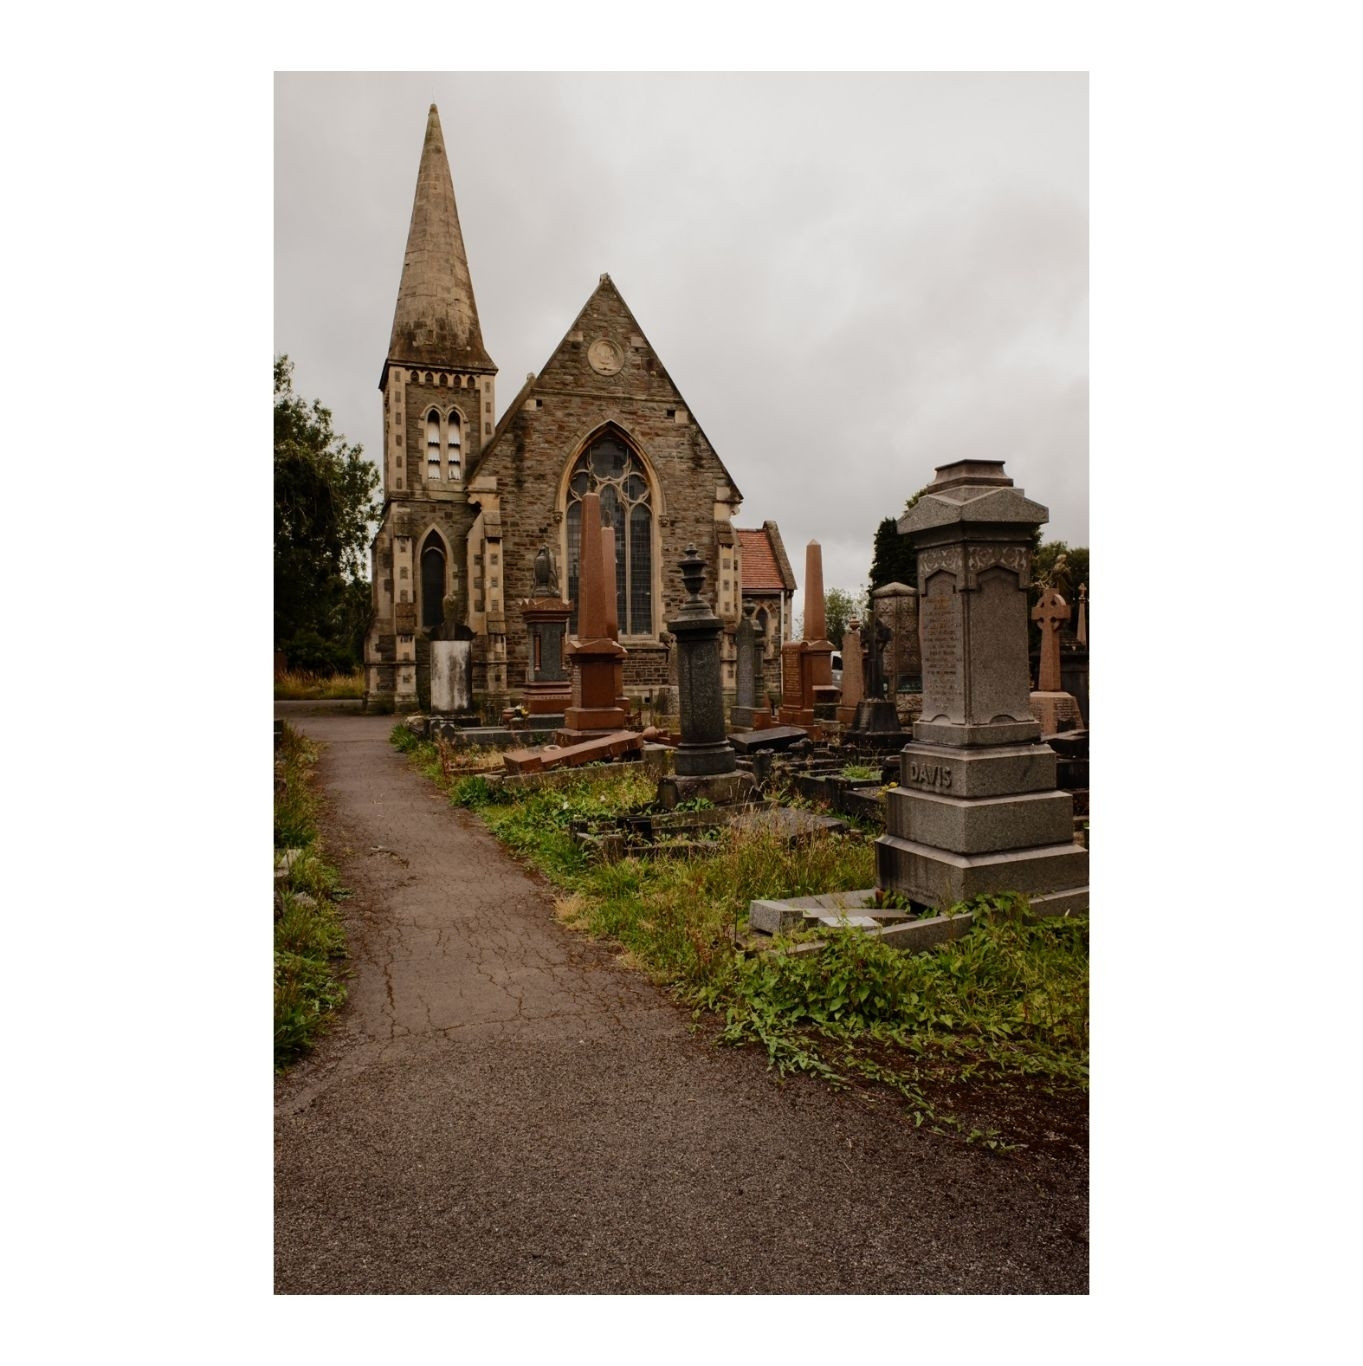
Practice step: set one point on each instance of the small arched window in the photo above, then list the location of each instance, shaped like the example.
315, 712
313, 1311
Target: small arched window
609, 468
433, 445
432, 581
455, 445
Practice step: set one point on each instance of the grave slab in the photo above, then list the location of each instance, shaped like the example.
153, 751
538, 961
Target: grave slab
571, 756
769, 737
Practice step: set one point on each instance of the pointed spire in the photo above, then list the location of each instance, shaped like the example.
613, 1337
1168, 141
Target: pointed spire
436, 320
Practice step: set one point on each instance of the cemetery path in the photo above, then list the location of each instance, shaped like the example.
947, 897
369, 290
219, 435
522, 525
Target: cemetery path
504, 1109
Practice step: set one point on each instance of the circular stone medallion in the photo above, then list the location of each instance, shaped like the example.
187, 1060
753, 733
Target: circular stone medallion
605, 357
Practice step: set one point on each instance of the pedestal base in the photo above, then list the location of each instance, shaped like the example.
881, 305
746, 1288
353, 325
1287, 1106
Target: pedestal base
1056, 874
702, 760
594, 718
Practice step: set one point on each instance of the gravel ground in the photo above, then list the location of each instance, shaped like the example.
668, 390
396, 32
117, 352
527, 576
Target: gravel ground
504, 1109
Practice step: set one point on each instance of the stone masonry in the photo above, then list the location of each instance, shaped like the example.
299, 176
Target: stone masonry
467, 505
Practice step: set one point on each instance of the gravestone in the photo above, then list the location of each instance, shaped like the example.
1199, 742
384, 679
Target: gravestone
807, 666
451, 661
451, 677
597, 658
748, 662
705, 763
977, 809
895, 611
548, 686
1052, 706
851, 674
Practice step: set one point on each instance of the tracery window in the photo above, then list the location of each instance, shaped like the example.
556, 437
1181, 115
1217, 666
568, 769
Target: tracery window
609, 468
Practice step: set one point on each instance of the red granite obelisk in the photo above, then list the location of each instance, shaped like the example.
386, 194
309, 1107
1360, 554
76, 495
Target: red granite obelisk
597, 659
807, 668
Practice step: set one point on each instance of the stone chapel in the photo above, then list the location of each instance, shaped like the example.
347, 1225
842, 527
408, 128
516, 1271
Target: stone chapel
470, 500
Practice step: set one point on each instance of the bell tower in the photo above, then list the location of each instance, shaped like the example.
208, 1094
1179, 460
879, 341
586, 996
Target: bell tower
439, 406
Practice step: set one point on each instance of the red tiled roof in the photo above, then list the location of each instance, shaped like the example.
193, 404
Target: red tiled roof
761, 574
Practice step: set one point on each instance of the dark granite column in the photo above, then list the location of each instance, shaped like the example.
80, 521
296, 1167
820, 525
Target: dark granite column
703, 750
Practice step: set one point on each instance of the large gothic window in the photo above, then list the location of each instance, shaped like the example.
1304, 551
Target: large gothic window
608, 467
432, 581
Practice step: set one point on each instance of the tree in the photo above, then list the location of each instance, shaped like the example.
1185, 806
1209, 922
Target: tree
323, 515
1062, 567
894, 560
840, 608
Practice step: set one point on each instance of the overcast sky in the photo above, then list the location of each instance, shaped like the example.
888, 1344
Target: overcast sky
851, 278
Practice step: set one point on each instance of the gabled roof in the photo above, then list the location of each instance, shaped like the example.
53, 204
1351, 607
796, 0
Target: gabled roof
436, 319
569, 357
765, 566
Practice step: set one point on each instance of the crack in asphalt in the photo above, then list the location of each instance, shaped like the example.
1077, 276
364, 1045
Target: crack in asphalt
502, 1108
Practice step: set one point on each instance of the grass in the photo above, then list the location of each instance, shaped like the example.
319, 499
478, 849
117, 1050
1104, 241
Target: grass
309, 939
302, 687
1008, 1001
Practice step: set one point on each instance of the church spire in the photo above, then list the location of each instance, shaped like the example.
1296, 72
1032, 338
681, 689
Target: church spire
436, 319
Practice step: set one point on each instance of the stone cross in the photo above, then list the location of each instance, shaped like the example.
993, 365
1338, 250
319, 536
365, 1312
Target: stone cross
1050, 613
1082, 634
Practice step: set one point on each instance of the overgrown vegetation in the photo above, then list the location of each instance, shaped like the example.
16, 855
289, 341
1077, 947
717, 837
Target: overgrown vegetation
297, 685
1007, 1000
309, 939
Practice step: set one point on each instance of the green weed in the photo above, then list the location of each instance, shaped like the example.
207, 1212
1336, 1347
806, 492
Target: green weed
1007, 999
309, 939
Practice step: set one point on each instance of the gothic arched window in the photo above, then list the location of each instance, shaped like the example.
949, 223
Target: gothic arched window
432, 581
433, 445
609, 468
454, 445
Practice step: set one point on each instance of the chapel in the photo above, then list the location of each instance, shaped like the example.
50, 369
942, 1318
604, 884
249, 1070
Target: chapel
471, 500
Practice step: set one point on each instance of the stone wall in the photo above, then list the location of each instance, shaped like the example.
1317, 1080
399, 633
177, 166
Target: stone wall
555, 418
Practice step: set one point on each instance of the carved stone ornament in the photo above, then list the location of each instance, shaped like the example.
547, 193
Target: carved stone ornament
605, 357
982, 557
946, 557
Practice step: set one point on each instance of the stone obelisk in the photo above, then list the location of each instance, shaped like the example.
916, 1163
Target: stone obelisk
807, 665
597, 658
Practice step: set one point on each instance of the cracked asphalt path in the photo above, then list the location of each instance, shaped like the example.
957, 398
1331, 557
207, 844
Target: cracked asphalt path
504, 1109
